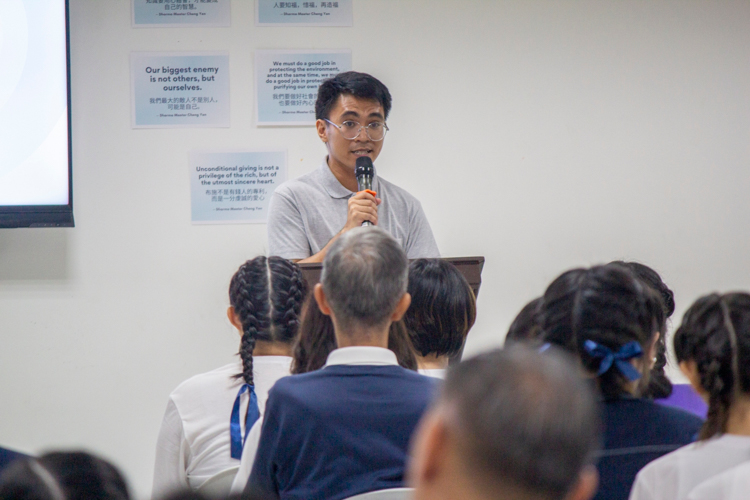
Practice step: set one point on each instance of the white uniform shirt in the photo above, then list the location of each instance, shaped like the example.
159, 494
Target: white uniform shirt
733, 484
673, 476
194, 442
358, 355
433, 372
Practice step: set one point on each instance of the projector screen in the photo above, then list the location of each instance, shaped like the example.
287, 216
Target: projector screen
35, 157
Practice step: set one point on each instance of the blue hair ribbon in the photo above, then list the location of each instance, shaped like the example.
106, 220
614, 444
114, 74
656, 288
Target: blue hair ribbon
253, 414
619, 359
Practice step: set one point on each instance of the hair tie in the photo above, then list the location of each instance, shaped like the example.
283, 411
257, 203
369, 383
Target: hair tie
619, 359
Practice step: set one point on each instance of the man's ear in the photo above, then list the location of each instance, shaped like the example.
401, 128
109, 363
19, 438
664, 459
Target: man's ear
320, 299
690, 370
586, 486
428, 450
320, 126
235, 319
401, 307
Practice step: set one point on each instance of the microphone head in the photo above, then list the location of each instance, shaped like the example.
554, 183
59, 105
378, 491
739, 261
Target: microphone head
364, 167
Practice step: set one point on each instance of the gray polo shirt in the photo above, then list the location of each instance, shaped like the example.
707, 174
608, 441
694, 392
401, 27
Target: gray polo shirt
306, 212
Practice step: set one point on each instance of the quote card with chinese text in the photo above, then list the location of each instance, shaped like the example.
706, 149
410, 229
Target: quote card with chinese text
173, 90
287, 83
296, 13
180, 13
234, 187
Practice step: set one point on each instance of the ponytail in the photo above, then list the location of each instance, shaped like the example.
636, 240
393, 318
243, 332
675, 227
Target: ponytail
605, 316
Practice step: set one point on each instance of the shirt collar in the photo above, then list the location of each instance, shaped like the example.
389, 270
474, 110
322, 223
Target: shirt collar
361, 355
332, 185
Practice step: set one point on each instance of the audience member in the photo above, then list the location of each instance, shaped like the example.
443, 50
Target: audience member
62, 476
526, 327
511, 424
316, 341
712, 346
659, 386
201, 434
344, 429
611, 320
442, 311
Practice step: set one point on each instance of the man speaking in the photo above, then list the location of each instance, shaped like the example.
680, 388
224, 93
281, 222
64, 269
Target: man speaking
308, 213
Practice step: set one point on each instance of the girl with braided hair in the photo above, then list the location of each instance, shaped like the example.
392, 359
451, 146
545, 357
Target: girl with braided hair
209, 415
712, 346
610, 320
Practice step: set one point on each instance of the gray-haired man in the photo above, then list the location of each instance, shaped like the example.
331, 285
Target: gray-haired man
345, 429
509, 424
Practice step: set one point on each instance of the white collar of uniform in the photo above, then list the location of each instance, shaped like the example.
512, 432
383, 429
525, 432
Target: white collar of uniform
361, 355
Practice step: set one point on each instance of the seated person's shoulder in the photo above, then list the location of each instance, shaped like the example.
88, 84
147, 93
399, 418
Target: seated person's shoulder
219, 377
421, 386
675, 424
678, 417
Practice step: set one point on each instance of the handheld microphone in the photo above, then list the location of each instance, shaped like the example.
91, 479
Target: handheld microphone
364, 171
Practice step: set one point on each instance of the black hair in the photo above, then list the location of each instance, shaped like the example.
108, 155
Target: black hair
442, 310
359, 85
63, 476
607, 305
267, 295
524, 420
715, 334
526, 327
659, 386
317, 339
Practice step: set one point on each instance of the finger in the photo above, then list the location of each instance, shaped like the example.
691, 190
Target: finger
364, 204
363, 195
365, 214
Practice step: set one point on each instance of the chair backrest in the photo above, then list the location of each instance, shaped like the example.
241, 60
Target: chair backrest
389, 494
218, 485
684, 397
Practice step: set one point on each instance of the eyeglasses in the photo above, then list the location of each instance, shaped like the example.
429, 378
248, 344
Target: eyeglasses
350, 130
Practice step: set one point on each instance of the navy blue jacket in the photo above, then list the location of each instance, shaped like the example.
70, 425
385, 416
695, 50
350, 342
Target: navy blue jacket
338, 431
636, 432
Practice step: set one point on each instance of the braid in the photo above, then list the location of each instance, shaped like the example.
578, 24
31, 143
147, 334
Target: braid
659, 386
247, 346
248, 294
709, 337
719, 400
288, 291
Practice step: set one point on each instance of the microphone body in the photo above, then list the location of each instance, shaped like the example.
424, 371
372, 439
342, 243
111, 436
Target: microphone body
364, 171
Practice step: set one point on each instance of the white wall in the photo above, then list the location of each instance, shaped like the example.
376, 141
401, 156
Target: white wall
542, 135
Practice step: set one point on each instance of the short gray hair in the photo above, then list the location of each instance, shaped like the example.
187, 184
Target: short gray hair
365, 273
524, 419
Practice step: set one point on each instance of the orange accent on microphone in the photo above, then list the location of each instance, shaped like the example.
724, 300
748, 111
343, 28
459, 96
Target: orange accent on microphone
371, 192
